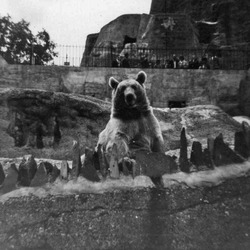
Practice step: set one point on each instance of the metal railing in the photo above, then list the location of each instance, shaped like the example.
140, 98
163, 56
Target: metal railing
68, 55
133, 56
167, 58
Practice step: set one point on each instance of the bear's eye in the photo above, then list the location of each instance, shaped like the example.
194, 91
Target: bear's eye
123, 88
134, 87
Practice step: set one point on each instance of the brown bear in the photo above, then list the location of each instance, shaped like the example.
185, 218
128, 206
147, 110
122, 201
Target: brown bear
132, 125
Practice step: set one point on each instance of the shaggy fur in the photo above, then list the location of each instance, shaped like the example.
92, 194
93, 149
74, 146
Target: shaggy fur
132, 125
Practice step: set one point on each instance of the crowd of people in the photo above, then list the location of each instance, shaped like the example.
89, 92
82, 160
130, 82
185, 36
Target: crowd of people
205, 62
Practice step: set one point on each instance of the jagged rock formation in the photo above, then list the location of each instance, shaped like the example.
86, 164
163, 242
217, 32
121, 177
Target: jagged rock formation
145, 31
155, 165
229, 18
175, 24
45, 123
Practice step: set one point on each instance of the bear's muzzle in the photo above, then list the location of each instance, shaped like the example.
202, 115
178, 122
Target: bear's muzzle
130, 99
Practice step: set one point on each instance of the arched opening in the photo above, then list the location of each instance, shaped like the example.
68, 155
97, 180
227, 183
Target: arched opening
177, 104
128, 39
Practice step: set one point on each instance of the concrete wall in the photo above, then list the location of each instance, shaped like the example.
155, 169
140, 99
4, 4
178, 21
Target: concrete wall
218, 87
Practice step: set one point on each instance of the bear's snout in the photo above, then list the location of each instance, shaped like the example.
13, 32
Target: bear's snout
130, 97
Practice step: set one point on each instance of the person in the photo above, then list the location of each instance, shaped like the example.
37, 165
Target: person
194, 63
204, 62
215, 64
144, 61
116, 63
173, 63
157, 64
182, 64
125, 61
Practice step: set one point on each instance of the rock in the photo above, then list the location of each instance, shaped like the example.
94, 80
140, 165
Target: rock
240, 145
230, 17
196, 154
102, 161
54, 174
26, 170
246, 131
90, 42
143, 31
210, 145
10, 180
207, 158
126, 165
76, 160
64, 170
41, 177
87, 117
154, 164
223, 155
242, 141
183, 160
113, 164
73, 114
88, 170
96, 160
48, 167
2, 175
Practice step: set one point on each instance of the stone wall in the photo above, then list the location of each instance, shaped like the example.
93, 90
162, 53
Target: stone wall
189, 87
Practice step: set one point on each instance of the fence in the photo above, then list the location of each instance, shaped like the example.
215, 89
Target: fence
137, 57
68, 55
133, 56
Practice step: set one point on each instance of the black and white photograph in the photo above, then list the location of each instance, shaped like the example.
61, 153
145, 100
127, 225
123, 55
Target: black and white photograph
124, 125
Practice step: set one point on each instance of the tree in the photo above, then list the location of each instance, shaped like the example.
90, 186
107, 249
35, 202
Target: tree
19, 46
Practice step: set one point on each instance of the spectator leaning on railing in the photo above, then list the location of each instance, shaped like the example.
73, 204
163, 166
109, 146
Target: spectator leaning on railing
182, 64
194, 63
173, 63
204, 62
214, 62
125, 61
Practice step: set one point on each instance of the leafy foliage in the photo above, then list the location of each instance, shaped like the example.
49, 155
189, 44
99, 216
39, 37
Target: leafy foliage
19, 46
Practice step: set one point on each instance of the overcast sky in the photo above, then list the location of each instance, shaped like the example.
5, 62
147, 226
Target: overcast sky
70, 21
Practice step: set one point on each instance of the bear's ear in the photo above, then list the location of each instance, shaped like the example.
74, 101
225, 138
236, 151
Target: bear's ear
113, 83
141, 77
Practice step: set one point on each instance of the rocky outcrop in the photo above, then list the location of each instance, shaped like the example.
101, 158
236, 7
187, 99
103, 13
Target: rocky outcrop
143, 30
175, 24
45, 124
155, 168
230, 18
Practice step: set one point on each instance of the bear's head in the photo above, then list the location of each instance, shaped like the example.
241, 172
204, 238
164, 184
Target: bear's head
129, 99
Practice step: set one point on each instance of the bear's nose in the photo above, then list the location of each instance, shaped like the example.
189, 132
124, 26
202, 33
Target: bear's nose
129, 98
